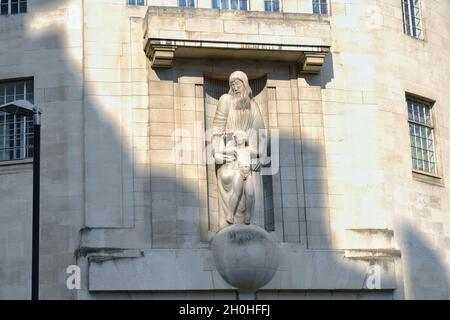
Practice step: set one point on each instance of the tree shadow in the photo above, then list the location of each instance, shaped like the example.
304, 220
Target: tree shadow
424, 269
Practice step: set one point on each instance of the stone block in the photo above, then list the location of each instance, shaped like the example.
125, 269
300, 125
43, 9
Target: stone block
240, 27
204, 25
160, 88
162, 115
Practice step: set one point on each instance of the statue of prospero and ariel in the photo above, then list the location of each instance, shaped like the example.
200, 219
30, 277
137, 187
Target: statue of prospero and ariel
235, 148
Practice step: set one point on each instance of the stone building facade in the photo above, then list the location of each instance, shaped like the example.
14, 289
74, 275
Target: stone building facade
127, 92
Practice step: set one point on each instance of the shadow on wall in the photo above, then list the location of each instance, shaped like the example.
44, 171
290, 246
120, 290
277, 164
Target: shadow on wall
315, 195
425, 272
326, 73
58, 91
102, 154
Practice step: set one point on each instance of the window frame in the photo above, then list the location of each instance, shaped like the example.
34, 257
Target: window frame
194, 4
229, 3
421, 175
410, 28
136, 4
320, 4
280, 9
26, 134
9, 4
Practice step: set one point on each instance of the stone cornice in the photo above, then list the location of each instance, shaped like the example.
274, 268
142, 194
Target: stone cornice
161, 52
171, 33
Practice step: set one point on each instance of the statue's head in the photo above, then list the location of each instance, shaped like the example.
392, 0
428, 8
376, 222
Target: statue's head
240, 137
240, 90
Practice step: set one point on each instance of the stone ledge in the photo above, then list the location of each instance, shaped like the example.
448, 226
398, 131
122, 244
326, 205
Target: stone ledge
162, 52
193, 269
373, 254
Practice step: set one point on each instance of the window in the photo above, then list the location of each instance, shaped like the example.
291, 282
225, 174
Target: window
230, 4
421, 133
412, 18
320, 6
13, 6
272, 5
136, 2
16, 133
186, 3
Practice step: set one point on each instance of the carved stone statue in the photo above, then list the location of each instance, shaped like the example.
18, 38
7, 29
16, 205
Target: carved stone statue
235, 149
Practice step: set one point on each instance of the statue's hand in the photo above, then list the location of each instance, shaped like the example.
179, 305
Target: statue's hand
231, 150
222, 158
256, 165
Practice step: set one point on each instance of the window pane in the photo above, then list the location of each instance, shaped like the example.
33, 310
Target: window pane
224, 4
413, 18
9, 92
323, 6
276, 5
4, 7
216, 4
2, 95
14, 6
316, 7
29, 91
23, 6
412, 24
243, 5
20, 91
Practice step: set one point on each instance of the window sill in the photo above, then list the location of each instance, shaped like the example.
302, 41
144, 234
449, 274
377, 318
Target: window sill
414, 38
15, 162
428, 178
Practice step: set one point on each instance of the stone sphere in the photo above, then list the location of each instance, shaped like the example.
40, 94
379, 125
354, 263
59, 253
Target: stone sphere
246, 256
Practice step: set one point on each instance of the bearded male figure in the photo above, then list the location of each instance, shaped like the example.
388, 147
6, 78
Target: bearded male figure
235, 137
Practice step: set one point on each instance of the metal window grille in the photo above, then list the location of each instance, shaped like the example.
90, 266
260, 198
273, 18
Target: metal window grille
16, 133
186, 3
421, 133
13, 7
272, 5
320, 6
230, 4
412, 18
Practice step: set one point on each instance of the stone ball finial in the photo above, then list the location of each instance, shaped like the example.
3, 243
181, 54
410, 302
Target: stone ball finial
246, 256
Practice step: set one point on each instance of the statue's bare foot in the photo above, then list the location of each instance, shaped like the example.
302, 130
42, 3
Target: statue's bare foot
230, 220
247, 221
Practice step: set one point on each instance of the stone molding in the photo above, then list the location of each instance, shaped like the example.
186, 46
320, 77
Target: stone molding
162, 52
161, 56
311, 62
